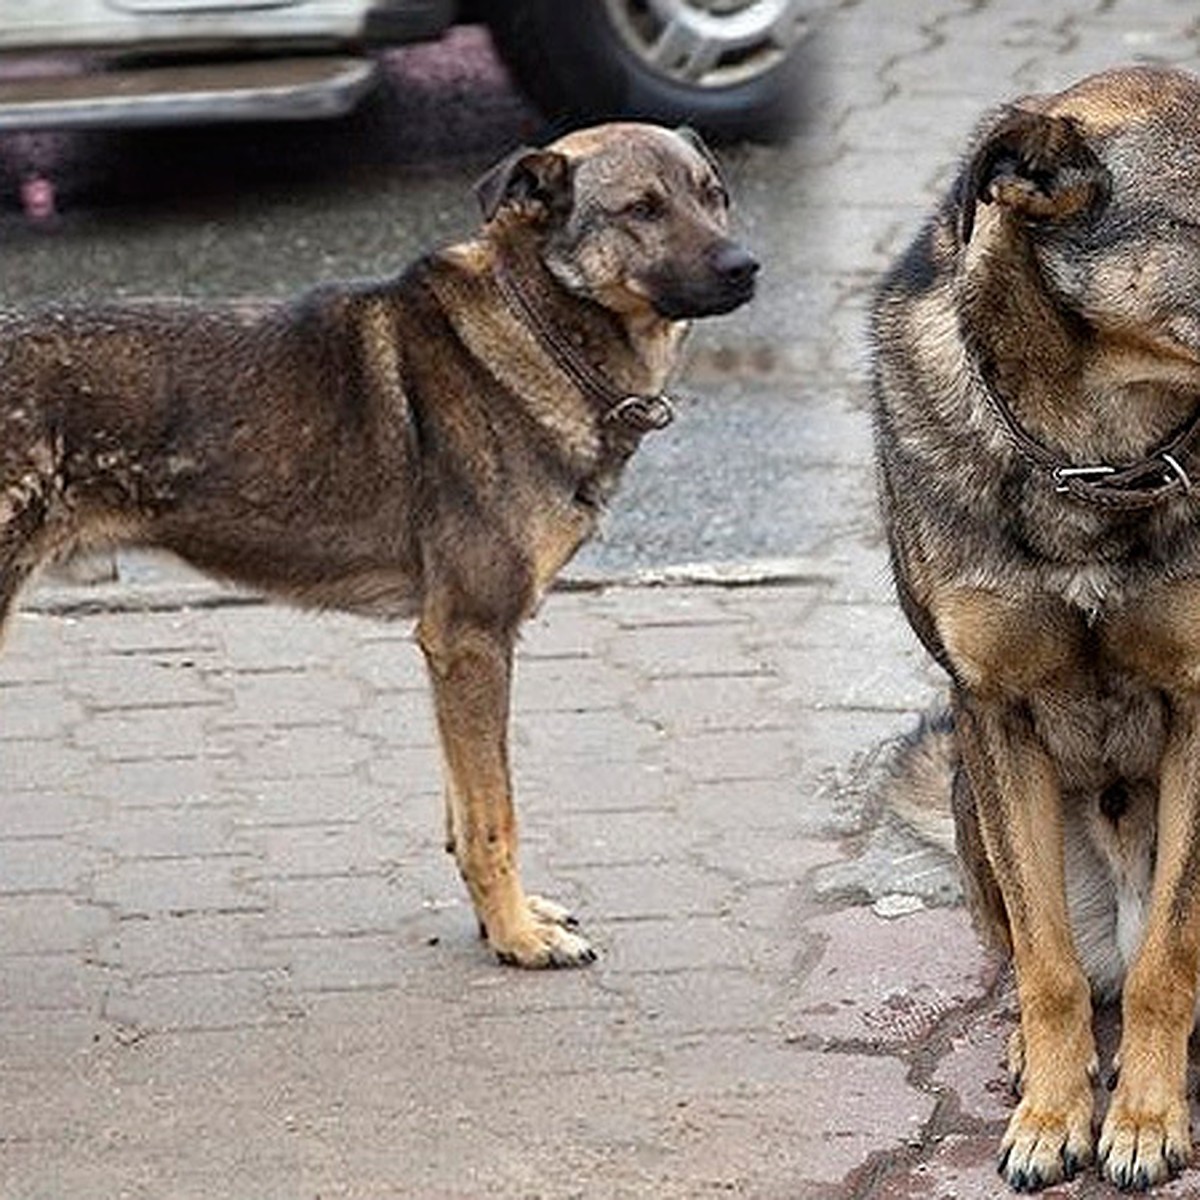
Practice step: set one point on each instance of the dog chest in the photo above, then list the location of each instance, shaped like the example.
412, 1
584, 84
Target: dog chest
1088, 587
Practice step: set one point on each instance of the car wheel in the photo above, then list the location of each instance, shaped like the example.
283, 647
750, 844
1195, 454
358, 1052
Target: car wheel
729, 67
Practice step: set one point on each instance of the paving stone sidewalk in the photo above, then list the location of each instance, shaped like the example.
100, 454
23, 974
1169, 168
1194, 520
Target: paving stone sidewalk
234, 959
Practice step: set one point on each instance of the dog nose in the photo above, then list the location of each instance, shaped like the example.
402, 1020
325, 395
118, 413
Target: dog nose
735, 265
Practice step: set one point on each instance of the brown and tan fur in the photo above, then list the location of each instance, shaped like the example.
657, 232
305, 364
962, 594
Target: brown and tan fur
1063, 273
403, 448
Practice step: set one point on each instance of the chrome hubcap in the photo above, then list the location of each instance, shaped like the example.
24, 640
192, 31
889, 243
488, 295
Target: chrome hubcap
708, 43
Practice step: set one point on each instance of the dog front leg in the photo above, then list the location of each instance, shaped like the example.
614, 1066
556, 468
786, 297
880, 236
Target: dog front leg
1019, 807
1145, 1138
471, 671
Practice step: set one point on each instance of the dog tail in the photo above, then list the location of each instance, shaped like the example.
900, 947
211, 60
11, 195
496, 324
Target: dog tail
919, 779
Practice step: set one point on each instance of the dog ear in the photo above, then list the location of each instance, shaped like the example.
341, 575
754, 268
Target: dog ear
528, 176
1037, 166
697, 143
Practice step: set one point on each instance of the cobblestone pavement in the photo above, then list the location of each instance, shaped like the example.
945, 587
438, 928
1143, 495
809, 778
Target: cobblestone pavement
235, 962
233, 956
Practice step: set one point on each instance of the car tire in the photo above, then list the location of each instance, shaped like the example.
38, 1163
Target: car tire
593, 60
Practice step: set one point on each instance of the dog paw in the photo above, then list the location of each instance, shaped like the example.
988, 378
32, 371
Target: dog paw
1041, 1147
548, 911
544, 938
1143, 1144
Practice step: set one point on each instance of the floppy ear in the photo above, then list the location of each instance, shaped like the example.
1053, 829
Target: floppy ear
538, 176
1037, 166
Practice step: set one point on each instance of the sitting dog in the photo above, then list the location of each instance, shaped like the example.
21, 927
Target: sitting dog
435, 445
1037, 412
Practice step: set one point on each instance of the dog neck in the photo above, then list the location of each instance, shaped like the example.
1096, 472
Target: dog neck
638, 348
589, 451
636, 412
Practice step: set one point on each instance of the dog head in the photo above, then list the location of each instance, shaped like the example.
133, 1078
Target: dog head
1101, 183
632, 216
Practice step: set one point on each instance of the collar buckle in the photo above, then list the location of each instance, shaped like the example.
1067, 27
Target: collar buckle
1063, 475
1175, 468
643, 413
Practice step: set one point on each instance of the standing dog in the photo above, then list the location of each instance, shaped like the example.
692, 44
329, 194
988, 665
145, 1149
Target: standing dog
434, 446
1038, 434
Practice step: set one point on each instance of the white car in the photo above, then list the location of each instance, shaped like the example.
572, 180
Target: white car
730, 67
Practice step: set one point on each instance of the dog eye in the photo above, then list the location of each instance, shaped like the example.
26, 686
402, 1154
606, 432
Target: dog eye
715, 196
646, 208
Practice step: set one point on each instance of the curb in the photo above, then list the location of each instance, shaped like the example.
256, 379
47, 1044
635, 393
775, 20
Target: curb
176, 592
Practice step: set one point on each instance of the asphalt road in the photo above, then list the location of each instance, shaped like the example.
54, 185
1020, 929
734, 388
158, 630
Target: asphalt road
269, 209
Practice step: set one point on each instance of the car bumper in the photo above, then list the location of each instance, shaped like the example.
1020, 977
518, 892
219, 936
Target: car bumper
243, 90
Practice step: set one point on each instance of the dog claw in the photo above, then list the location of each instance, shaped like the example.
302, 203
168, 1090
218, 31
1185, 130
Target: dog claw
545, 938
1024, 1183
1031, 1179
552, 957
1138, 1176
1045, 1146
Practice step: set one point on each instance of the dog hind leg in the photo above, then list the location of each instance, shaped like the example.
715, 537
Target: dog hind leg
11, 579
22, 515
985, 900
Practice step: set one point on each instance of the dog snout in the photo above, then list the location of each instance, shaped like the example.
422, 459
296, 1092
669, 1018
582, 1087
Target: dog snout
715, 279
735, 266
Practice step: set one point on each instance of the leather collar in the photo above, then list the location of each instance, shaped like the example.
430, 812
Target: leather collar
640, 414
1154, 479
